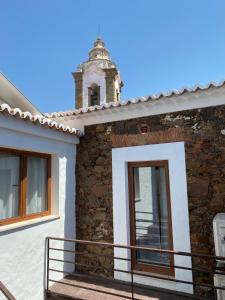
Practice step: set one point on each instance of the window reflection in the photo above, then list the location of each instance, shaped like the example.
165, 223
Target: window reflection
151, 213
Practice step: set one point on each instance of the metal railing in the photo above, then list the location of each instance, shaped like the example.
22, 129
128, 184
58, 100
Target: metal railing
6, 292
80, 255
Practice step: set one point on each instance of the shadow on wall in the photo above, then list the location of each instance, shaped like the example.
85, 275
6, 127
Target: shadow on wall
64, 181
69, 222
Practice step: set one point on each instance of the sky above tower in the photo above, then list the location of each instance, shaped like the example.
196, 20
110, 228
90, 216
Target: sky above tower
157, 45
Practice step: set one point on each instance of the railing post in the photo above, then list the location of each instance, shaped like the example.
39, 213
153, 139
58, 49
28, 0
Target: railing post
47, 269
76, 256
132, 276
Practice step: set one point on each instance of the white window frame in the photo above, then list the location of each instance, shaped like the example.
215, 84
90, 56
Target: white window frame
175, 154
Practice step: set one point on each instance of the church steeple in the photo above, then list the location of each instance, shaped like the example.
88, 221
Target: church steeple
98, 79
99, 51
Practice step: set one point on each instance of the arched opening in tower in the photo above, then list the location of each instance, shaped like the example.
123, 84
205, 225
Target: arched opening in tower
94, 95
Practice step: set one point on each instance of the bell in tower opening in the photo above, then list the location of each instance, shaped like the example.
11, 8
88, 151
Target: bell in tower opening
94, 95
98, 79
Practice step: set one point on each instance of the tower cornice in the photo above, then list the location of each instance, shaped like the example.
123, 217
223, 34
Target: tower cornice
77, 75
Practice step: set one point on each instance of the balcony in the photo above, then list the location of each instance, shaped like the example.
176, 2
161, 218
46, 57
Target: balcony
77, 269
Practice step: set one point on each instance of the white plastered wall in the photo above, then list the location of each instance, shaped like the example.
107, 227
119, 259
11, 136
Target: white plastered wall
117, 87
94, 75
175, 154
22, 245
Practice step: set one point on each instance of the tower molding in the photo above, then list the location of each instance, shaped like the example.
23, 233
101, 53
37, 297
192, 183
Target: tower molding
99, 71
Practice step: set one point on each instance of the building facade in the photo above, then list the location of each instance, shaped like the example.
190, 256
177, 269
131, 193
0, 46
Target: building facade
145, 172
37, 191
179, 138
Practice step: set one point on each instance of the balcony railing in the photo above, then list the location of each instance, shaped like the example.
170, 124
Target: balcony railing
6, 292
73, 259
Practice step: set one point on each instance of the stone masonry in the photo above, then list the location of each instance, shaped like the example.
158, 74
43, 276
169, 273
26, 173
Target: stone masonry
110, 75
78, 77
200, 129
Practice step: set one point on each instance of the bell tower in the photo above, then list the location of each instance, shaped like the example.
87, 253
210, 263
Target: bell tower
97, 80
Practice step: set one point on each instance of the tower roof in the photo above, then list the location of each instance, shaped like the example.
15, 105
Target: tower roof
99, 56
99, 51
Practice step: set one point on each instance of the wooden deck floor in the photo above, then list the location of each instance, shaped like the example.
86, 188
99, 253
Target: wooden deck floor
86, 287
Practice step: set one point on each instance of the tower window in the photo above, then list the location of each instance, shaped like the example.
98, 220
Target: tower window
117, 96
94, 95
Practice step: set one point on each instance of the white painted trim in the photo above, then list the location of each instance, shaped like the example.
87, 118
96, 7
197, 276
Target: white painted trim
208, 98
29, 223
21, 126
175, 154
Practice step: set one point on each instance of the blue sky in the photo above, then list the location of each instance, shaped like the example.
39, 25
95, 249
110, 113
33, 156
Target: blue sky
158, 45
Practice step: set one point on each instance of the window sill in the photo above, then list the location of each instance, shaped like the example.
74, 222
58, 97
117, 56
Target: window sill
149, 273
28, 223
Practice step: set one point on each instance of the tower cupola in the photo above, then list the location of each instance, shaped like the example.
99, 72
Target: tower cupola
97, 80
99, 51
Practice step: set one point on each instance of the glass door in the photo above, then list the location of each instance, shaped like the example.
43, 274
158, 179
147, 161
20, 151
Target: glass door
150, 215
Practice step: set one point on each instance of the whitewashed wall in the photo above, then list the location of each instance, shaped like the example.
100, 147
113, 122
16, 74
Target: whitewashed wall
22, 244
175, 154
94, 74
117, 88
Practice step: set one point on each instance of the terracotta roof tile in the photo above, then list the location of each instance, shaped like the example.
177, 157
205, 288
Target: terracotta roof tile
172, 93
37, 119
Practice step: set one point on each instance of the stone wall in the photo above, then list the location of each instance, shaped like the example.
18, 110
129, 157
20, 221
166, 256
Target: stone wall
110, 76
78, 77
205, 161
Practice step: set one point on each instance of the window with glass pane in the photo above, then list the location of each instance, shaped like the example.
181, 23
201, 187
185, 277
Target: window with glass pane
25, 185
36, 200
150, 213
9, 185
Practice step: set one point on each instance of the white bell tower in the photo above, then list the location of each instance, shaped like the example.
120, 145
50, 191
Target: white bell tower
98, 79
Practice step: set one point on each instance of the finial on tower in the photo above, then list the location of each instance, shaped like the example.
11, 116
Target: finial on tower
99, 51
98, 33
